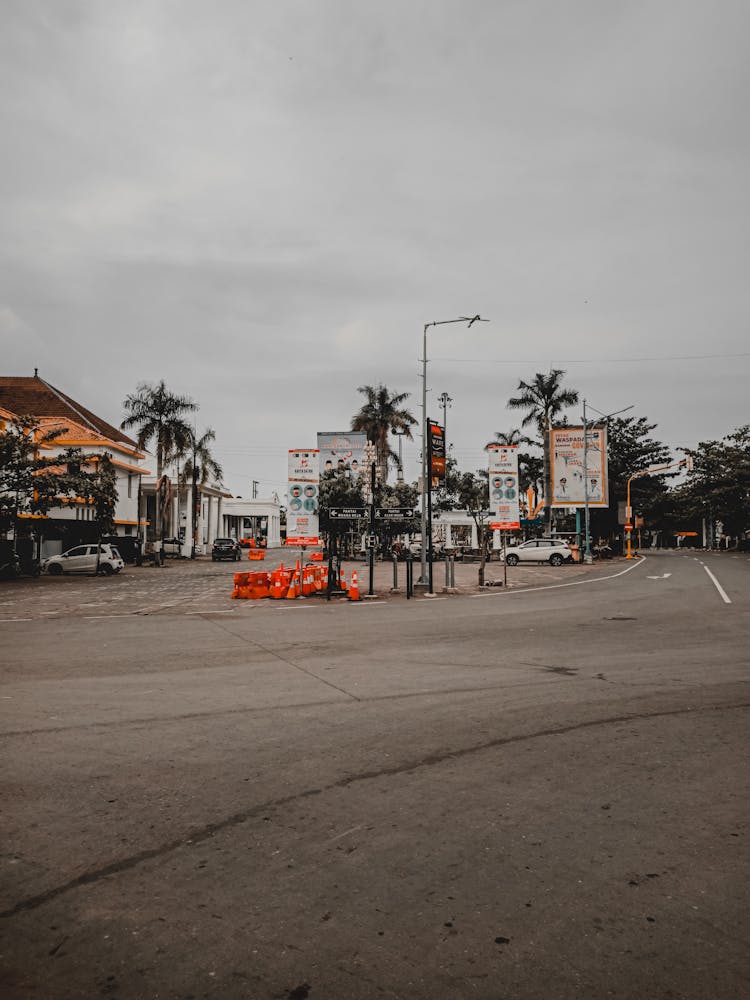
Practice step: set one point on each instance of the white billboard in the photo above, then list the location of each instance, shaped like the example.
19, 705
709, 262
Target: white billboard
503, 483
567, 467
339, 449
303, 490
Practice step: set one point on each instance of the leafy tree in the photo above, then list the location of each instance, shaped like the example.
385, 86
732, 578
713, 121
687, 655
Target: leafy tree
544, 398
382, 413
200, 468
631, 449
718, 487
158, 416
27, 485
473, 496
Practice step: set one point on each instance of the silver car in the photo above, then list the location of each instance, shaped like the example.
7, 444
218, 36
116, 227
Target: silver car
83, 559
542, 550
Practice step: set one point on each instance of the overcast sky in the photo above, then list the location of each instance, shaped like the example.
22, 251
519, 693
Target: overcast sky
263, 203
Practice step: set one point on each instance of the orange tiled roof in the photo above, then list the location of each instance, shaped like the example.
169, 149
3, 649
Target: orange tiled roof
32, 396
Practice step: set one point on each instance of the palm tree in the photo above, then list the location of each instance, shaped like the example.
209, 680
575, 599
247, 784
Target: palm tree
200, 467
512, 437
544, 398
381, 414
158, 415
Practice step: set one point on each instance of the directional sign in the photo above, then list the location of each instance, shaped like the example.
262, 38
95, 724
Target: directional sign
394, 513
346, 513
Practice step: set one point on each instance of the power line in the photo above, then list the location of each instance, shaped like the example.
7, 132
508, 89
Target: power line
593, 361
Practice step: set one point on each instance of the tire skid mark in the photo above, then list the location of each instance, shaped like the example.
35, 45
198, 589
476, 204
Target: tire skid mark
204, 833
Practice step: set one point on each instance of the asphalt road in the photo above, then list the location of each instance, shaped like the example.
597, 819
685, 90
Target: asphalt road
538, 793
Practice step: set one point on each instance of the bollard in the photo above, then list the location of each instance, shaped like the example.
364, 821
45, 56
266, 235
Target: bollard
453, 572
409, 576
395, 573
447, 572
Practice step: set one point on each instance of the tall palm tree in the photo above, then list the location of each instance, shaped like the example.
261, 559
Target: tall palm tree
200, 467
543, 399
380, 414
158, 416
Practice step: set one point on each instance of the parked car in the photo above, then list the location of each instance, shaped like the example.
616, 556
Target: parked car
82, 559
225, 548
550, 550
172, 547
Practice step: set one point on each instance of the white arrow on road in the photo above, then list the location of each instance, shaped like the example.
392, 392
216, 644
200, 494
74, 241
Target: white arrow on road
662, 577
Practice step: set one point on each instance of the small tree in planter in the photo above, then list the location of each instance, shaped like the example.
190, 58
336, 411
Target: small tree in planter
473, 496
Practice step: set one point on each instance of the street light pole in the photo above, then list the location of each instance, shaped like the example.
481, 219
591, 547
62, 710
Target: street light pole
443, 322
445, 401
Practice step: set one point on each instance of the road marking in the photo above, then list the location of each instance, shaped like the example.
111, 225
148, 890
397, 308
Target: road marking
222, 611
499, 591
2, 620
718, 586
664, 576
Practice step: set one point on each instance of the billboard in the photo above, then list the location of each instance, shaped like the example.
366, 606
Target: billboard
566, 467
341, 448
503, 482
303, 490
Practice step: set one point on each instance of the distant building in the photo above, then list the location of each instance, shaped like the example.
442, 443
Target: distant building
72, 522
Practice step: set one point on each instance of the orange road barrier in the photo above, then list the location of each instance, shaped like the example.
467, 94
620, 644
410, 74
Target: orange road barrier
256, 554
354, 589
316, 557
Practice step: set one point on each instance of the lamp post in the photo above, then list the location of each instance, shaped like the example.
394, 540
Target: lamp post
399, 432
445, 401
470, 320
587, 557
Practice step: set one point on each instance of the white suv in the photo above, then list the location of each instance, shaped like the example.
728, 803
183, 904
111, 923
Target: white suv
550, 550
82, 559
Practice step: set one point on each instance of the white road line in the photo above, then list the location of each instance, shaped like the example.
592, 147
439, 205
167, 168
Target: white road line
499, 592
3, 620
222, 611
718, 586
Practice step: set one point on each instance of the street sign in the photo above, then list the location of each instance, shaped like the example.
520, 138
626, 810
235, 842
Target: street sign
346, 513
395, 513
371, 541
628, 527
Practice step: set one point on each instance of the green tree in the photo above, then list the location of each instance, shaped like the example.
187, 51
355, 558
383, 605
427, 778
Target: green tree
200, 468
27, 483
158, 416
718, 487
381, 414
473, 497
544, 399
514, 436
631, 449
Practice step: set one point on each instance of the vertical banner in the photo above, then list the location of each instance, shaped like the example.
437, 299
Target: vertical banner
567, 462
303, 489
436, 444
503, 469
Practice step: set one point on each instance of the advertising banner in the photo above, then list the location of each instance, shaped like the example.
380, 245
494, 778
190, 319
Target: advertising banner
503, 468
567, 461
436, 444
303, 489
339, 449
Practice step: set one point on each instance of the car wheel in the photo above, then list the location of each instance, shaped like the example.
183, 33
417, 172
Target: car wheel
106, 569
55, 569
511, 559
555, 559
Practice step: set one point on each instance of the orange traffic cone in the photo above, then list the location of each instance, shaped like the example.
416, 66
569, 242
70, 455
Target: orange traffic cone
342, 580
354, 589
293, 587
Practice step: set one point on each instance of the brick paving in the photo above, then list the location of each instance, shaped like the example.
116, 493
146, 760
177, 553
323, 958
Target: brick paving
203, 587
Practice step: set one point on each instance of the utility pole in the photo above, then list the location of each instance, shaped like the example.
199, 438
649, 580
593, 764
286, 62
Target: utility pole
445, 401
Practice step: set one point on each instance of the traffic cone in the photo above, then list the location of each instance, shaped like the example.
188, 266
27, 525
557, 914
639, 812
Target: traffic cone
294, 589
354, 589
342, 580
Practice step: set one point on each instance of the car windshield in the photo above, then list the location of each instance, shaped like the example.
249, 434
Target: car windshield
223, 541
115, 552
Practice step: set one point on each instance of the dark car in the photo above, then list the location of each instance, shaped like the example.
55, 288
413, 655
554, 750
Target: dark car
225, 548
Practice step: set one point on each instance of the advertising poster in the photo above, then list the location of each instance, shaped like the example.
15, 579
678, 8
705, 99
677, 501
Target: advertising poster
436, 445
566, 466
504, 499
341, 449
303, 490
